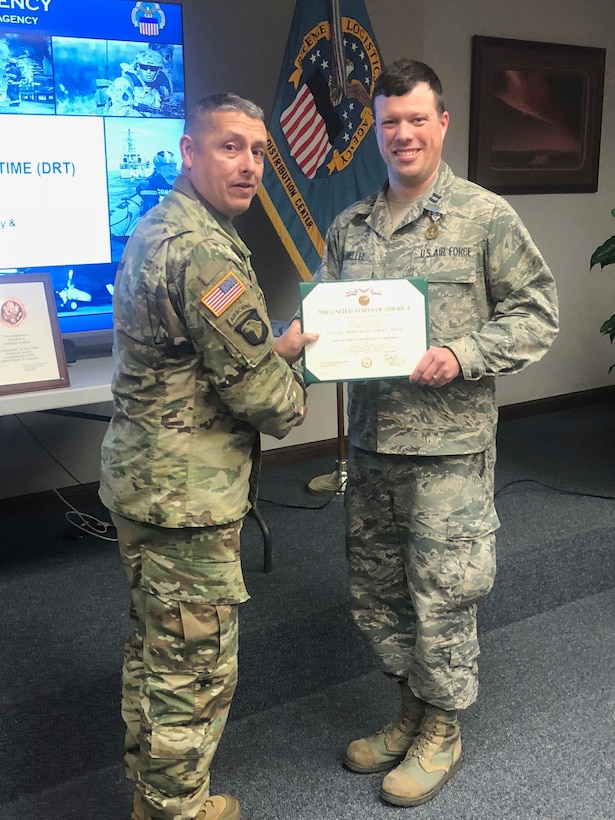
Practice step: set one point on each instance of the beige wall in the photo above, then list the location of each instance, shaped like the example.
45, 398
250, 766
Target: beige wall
239, 46
566, 227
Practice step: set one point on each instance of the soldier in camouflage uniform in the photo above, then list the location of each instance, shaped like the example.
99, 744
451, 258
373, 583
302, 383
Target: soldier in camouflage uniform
420, 516
198, 377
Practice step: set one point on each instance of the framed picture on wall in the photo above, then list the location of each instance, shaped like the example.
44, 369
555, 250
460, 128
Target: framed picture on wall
535, 116
31, 350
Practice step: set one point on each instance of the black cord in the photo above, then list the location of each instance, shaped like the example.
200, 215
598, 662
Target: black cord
297, 506
553, 489
84, 522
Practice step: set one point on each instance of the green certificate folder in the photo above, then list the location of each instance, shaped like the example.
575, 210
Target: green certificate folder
369, 329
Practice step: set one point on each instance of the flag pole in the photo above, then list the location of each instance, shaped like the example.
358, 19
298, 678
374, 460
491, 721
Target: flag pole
336, 481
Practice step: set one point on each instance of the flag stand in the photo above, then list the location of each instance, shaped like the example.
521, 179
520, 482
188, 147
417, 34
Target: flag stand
335, 482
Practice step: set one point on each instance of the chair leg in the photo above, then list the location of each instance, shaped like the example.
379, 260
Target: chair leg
257, 516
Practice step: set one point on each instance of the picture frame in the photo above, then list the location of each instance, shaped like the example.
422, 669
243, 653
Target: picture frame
31, 350
535, 116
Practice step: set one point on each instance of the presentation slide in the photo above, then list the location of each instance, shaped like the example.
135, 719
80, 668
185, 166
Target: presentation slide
54, 185
91, 114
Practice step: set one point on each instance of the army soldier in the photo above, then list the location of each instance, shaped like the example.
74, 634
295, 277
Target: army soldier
14, 78
143, 89
198, 377
420, 516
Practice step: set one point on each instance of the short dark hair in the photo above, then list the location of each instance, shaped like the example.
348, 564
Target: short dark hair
400, 77
199, 117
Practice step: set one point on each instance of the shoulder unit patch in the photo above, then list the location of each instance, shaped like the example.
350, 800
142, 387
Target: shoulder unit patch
252, 328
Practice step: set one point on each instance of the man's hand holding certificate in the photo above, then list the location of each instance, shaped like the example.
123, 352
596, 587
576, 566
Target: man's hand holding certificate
369, 329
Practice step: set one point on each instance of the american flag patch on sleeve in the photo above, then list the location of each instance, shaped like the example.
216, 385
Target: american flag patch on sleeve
221, 297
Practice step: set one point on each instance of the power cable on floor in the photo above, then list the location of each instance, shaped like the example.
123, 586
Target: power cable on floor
84, 522
560, 490
296, 506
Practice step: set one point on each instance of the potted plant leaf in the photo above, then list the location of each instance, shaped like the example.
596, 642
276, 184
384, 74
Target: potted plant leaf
605, 255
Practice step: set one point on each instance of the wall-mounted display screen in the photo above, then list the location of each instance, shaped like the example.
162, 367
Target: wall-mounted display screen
91, 113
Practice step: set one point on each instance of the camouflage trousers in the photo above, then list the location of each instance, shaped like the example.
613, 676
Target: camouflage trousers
420, 539
180, 659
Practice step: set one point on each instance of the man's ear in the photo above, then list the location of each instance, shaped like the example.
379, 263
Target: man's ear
444, 122
186, 147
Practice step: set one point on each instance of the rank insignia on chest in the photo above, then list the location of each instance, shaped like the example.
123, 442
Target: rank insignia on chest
222, 296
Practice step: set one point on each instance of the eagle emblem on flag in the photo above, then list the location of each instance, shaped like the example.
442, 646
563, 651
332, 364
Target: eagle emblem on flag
322, 153
330, 111
148, 18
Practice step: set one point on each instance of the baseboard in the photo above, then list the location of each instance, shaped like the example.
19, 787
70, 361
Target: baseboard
74, 496
300, 453
552, 404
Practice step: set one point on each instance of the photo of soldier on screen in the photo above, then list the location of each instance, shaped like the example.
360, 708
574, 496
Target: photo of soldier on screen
119, 79
26, 76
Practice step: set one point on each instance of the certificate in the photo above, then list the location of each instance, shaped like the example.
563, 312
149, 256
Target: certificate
369, 328
31, 351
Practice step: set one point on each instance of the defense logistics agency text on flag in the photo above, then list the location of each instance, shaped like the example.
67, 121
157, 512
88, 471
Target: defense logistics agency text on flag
321, 149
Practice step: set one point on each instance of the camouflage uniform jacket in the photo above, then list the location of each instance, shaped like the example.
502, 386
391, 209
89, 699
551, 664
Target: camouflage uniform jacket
491, 300
196, 375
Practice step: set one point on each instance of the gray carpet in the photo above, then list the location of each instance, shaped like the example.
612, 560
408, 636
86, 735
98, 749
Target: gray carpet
538, 744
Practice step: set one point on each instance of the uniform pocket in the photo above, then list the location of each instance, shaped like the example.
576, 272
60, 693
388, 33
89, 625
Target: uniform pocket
188, 705
178, 742
468, 566
456, 290
180, 636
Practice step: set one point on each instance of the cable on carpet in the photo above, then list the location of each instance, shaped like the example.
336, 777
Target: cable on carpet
84, 522
552, 488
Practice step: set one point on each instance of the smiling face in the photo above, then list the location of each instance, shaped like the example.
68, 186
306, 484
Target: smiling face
410, 134
225, 160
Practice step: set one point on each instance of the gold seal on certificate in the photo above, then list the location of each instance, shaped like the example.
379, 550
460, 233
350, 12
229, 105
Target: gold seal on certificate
369, 329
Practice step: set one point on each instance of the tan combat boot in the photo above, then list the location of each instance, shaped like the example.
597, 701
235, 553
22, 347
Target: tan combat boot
220, 807
433, 758
388, 746
216, 807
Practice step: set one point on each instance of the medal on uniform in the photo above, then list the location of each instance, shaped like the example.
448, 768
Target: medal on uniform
433, 230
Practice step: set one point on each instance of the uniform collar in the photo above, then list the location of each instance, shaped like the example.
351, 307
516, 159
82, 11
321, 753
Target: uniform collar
434, 199
183, 185
436, 196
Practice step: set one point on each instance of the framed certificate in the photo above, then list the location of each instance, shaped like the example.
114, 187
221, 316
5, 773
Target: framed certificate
31, 350
369, 329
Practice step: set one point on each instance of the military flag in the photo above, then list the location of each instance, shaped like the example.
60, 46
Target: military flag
321, 148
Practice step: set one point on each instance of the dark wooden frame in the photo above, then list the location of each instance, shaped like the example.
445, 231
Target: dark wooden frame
63, 379
535, 116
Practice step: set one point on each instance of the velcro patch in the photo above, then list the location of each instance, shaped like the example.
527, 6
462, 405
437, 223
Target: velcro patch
253, 329
222, 296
